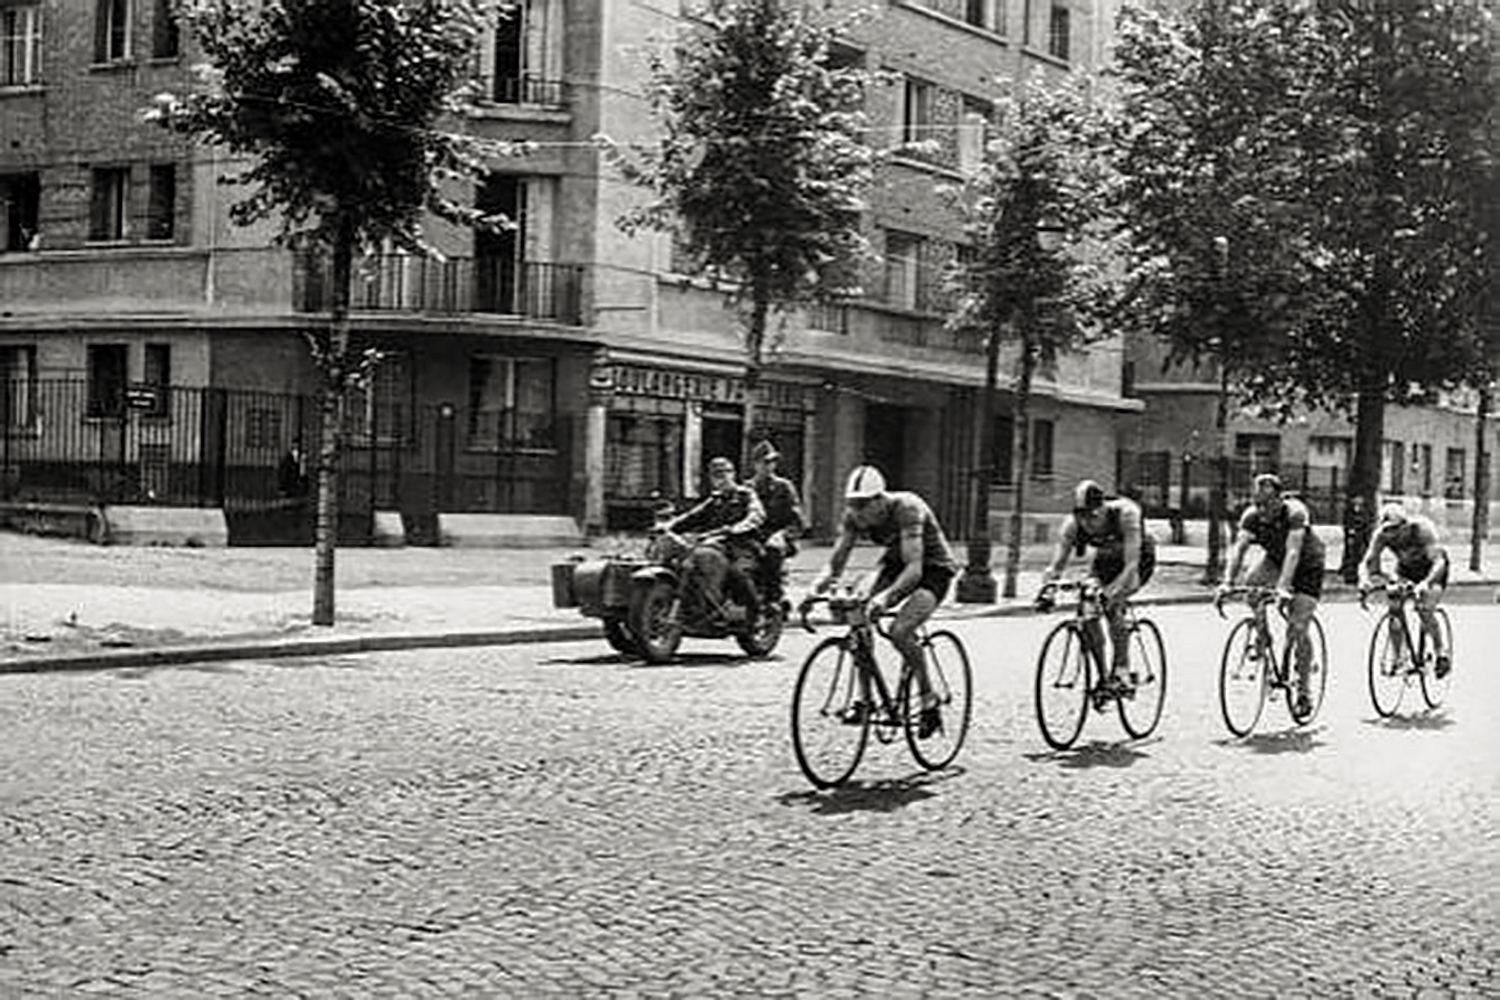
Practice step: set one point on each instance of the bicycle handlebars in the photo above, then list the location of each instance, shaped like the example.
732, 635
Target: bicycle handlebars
845, 603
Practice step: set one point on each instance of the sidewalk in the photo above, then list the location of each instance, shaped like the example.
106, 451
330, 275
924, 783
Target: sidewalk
67, 604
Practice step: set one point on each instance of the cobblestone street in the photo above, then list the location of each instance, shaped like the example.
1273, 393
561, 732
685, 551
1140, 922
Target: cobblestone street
548, 820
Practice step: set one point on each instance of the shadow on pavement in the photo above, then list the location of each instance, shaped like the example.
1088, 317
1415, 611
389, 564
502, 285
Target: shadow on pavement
885, 795
1431, 720
1097, 753
1286, 741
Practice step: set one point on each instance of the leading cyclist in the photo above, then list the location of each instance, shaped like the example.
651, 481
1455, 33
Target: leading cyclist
1292, 561
1421, 559
1124, 559
914, 573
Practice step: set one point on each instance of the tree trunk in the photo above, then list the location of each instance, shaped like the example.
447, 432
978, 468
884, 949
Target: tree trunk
1218, 491
755, 339
1023, 454
1480, 530
1362, 498
333, 370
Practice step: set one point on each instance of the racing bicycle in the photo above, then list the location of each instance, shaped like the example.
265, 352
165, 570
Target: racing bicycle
1396, 661
1255, 662
843, 694
1071, 677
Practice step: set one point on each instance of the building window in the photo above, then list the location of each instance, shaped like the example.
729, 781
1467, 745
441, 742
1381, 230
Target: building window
161, 202
497, 254
20, 45
1002, 458
1258, 452
1453, 476
1059, 32
111, 30
511, 403
380, 412
644, 456
1392, 467
1421, 465
158, 377
18, 388
20, 209
902, 264
973, 131
528, 54
106, 380
108, 201
1041, 449
165, 38
917, 121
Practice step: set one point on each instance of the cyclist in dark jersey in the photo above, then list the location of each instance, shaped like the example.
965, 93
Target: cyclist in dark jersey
1124, 559
1421, 559
914, 573
1293, 563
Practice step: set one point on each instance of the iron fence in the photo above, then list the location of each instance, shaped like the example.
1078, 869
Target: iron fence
250, 453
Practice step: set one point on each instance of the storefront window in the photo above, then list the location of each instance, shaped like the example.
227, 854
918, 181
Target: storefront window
645, 456
511, 403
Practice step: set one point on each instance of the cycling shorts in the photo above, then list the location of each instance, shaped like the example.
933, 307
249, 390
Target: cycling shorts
1109, 563
1417, 571
935, 579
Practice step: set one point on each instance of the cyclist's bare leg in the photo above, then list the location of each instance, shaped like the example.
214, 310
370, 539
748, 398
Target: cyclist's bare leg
1427, 612
911, 613
1297, 622
1093, 642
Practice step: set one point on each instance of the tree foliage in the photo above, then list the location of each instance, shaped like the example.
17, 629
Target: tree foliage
761, 160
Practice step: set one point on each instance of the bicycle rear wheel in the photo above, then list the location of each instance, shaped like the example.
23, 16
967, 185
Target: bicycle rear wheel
1387, 670
1317, 673
953, 685
1140, 713
828, 732
1435, 688
1242, 678
1062, 686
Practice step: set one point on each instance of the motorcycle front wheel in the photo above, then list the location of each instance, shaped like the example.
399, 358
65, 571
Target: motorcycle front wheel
655, 620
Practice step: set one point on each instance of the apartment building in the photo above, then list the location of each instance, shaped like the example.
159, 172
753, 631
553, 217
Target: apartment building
152, 351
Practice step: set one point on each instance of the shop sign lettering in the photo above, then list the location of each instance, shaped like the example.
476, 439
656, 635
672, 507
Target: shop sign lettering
639, 380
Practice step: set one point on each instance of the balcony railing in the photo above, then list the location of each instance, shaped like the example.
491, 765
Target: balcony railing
891, 325
524, 90
408, 283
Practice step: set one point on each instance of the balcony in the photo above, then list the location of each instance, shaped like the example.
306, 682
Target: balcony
408, 283
866, 320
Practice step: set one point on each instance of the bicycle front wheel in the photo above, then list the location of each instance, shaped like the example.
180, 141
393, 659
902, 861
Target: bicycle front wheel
953, 697
1062, 686
1242, 678
1387, 672
1140, 712
830, 715
1435, 688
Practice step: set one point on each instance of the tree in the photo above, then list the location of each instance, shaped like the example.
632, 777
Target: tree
336, 105
1038, 266
1337, 149
761, 160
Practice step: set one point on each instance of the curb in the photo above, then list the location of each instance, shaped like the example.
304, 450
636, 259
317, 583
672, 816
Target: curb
162, 656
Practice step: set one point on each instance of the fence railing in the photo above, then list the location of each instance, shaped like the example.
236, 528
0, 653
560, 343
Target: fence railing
412, 283
1165, 485
67, 441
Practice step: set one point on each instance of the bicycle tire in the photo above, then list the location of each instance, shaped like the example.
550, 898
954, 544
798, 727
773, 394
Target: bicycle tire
1242, 678
1062, 686
952, 681
1317, 684
1386, 672
828, 746
1141, 713
1435, 688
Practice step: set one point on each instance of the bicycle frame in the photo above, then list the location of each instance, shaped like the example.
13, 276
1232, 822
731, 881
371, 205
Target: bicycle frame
1401, 626
1263, 663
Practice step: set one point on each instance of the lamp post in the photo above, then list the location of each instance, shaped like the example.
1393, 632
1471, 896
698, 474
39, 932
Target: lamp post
976, 585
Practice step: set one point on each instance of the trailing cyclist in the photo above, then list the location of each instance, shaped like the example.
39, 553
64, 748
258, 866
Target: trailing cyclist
914, 573
1124, 559
1292, 561
1420, 559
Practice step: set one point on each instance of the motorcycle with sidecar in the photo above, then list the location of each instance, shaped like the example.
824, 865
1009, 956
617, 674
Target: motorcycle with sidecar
650, 604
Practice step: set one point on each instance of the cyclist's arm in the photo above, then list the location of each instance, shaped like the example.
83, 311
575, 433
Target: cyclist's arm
837, 559
1436, 555
1236, 557
1370, 566
911, 566
1294, 539
1130, 527
1065, 540
755, 513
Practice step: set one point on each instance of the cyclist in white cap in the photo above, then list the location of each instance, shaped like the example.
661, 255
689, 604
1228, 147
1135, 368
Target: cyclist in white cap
914, 573
1124, 559
1421, 559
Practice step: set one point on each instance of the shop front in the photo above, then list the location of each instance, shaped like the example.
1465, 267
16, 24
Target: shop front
654, 423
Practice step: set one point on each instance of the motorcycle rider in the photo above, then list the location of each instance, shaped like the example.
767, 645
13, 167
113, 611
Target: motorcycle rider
728, 518
784, 521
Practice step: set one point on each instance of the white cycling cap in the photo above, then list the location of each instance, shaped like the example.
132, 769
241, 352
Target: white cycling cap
864, 482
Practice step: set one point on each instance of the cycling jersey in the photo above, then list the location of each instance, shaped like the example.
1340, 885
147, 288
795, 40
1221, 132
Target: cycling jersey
1270, 533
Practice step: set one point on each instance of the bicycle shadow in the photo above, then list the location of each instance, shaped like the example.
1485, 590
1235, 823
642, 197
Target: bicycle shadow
1293, 740
882, 795
1096, 753
1430, 720
691, 660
